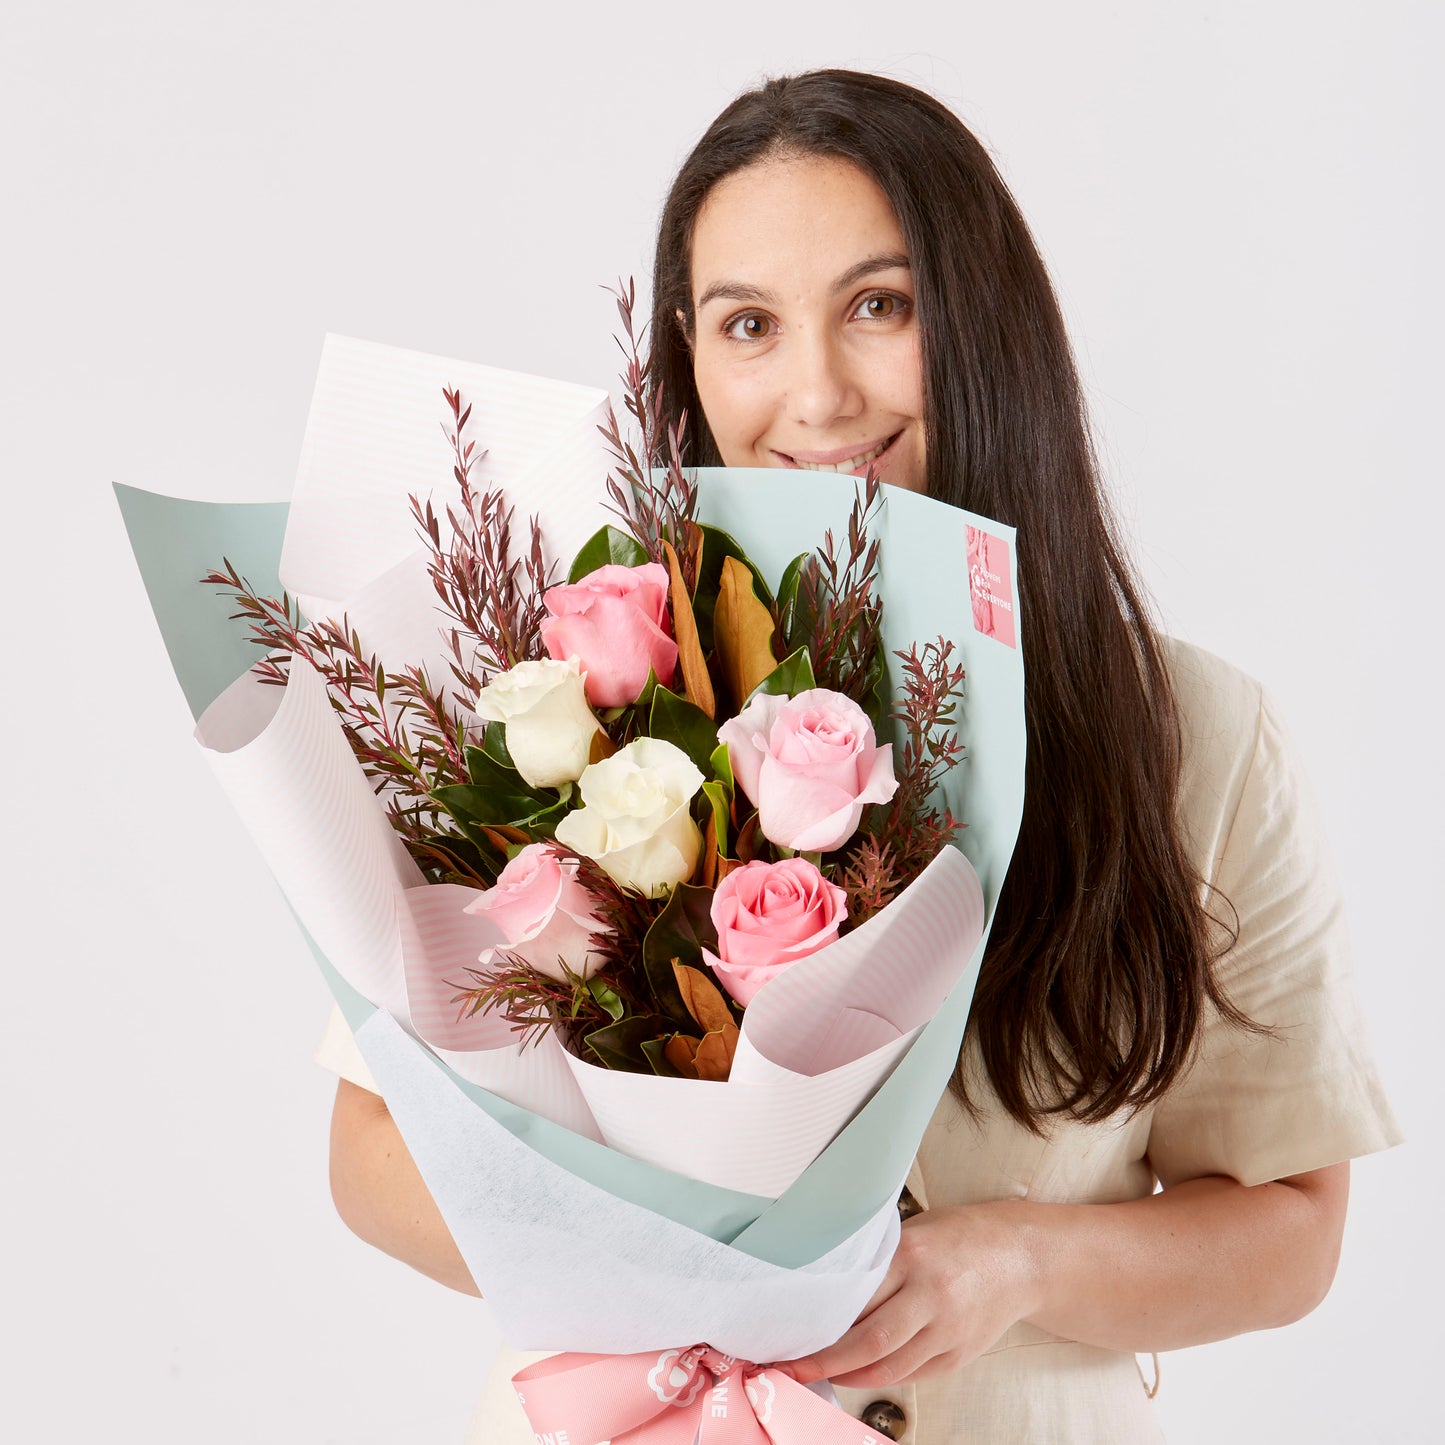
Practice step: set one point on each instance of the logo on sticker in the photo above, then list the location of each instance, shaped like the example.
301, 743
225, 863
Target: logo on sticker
990, 586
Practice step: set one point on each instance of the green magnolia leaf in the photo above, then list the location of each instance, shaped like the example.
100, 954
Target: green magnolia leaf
496, 794
676, 720
474, 807
717, 547
644, 698
494, 744
604, 547
794, 674
652, 1051
487, 770
878, 701
619, 1045
722, 768
679, 933
606, 996
543, 823
475, 852
721, 799
802, 617
788, 589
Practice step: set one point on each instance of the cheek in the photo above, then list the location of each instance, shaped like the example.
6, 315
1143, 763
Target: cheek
905, 381
736, 408
910, 403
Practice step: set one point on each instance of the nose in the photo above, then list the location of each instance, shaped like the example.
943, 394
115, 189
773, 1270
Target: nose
821, 385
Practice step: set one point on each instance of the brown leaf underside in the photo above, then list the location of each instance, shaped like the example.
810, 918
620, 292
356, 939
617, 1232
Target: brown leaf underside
708, 1058
742, 631
701, 998
690, 657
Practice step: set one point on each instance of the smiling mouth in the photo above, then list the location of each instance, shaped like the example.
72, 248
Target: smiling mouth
851, 464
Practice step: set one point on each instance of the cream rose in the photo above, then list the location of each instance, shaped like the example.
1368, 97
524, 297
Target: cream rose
636, 820
810, 764
543, 912
543, 706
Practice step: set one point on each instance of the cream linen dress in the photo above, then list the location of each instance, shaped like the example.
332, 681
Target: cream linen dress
1253, 1107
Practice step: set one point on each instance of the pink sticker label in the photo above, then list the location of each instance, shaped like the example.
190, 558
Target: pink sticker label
990, 586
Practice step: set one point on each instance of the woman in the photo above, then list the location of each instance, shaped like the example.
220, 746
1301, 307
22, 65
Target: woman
841, 280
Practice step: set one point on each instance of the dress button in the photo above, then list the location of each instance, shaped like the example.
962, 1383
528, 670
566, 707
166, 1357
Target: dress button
886, 1418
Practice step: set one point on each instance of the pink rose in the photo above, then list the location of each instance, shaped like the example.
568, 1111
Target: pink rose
614, 622
809, 763
767, 916
543, 912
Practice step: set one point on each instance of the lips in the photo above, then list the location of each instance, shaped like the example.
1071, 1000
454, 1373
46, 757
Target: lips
847, 463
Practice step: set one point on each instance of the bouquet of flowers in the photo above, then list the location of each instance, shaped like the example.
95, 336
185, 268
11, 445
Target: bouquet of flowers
645, 915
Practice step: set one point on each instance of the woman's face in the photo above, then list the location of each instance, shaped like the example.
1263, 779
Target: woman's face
806, 351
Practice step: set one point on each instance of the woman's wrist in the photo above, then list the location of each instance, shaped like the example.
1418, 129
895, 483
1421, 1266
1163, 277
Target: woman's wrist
1008, 1241
1026, 1253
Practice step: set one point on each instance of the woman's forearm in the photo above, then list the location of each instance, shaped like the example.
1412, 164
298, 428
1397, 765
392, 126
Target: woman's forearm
1204, 1260
380, 1195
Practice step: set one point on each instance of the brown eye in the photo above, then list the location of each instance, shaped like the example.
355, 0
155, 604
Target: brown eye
881, 308
751, 327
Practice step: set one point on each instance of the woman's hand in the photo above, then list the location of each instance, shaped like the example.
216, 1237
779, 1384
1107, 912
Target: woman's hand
1202, 1260
959, 1279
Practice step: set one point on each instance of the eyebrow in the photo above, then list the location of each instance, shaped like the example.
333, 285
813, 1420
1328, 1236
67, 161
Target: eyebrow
741, 291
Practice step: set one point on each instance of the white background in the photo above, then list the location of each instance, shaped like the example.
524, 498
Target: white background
1235, 200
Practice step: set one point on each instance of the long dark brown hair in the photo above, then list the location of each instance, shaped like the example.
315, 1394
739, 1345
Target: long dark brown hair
1100, 966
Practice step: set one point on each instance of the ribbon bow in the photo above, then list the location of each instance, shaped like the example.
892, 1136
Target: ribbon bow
679, 1397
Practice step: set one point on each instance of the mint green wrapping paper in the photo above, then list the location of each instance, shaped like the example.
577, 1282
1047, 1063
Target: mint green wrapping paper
925, 587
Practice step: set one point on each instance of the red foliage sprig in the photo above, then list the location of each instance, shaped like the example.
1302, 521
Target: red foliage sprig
401, 730
653, 512
532, 1002
836, 615
901, 840
493, 598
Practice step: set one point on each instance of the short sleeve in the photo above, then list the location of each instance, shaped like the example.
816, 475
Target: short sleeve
337, 1052
1263, 1106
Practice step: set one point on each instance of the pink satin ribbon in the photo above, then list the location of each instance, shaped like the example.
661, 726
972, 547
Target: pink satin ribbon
675, 1398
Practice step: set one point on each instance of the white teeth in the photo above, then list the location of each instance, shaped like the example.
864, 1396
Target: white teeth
851, 465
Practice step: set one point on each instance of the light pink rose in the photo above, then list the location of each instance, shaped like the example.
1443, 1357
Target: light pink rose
810, 764
614, 622
768, 916
543, 912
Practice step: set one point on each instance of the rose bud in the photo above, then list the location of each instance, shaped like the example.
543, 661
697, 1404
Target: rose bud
614, 621
544, 913
636, 818
549, 726
810, 764
768, 916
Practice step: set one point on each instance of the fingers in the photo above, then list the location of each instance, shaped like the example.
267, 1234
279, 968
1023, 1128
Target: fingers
892, 1283
806, 1368
918, 1357
878, 1335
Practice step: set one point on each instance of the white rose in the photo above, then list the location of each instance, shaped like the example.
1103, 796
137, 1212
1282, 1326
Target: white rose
543, 706
635, 819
